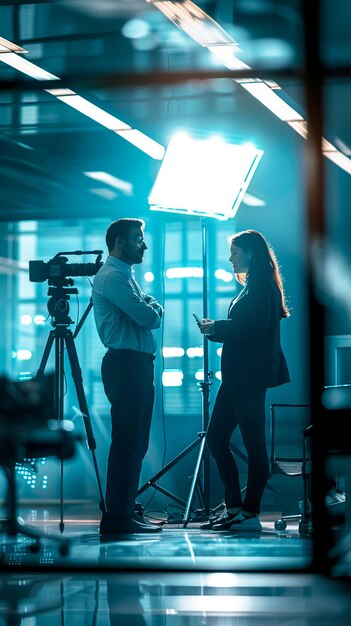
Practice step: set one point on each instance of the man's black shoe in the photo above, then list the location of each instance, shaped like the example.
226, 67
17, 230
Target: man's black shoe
114, 525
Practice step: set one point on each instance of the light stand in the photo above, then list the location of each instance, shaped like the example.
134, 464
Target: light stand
63, 338
202, 487
203, 455
206, 177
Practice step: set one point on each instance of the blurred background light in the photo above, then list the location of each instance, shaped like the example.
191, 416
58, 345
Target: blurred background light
149, 277
26, 320
172, 352
135, 29
195, 352
39, 320
184, 272
23, 355
227, 277
172, 378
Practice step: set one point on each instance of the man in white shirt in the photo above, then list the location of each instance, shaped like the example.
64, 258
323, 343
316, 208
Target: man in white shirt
125, 319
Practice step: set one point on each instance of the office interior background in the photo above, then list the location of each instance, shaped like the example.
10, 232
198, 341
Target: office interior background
66, 173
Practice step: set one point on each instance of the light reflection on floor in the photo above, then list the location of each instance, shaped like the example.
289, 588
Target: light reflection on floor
145, 599
182, 576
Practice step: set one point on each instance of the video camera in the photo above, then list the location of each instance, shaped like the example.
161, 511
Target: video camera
57, 269
27, 422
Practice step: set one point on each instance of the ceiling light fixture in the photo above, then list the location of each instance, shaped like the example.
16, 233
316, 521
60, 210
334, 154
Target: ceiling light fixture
117, 183
94, 112
8, 55
8, 46
192, 20
28, 68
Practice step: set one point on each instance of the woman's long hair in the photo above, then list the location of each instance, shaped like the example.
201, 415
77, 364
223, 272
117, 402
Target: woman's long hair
263, 262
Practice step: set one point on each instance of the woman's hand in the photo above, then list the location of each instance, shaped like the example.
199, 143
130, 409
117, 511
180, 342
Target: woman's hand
207, 327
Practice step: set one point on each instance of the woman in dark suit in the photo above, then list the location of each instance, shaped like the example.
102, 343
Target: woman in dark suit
252, 360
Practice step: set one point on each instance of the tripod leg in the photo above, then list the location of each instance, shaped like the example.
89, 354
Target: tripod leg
59, 400
78, 383
151, 482
47, 350
194, 481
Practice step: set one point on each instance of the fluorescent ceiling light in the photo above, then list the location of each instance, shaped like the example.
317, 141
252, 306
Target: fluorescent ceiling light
112, 181
269, 99
206, 177
8, 46
339, 159
227, 54
26, 67
143, 142
134, 136
94, 112
60, 92
189, 18
193, 21
300, 127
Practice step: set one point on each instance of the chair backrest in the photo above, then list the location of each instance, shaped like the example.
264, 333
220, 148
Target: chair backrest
287, 425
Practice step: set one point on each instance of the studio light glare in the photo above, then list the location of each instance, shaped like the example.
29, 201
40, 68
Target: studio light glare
203, 176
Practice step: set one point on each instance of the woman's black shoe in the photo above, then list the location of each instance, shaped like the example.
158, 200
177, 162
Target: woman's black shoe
213, 520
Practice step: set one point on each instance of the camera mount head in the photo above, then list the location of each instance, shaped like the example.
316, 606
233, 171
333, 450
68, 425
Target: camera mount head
57, 272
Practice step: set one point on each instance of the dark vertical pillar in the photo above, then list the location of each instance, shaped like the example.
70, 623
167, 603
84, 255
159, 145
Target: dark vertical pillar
316, 230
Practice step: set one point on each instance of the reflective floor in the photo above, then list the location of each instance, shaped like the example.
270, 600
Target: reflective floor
178, 546
179, 576
141, 599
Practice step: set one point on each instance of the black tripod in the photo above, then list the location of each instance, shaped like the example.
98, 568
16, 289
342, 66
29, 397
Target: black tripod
63, 337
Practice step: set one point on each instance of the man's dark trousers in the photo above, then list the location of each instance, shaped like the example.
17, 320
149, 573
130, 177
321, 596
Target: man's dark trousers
128, 379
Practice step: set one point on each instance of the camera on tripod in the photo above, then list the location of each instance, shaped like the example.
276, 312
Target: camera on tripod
57, 272
57, 269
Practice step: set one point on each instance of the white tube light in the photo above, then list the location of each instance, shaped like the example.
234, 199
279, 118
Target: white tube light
339, 159
143, 142
227, 54
94, 112
192, 20
112, 181
22, 65
135, 137
300, 128
8, 46
269, 99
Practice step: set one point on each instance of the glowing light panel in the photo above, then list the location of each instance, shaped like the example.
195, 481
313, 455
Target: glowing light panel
206, 177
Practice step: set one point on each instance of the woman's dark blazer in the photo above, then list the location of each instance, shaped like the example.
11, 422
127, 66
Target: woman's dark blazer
252, 354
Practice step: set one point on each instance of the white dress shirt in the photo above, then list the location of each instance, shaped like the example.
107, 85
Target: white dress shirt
125, 317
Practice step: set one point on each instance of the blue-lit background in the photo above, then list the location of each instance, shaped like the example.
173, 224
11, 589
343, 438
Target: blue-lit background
172, 271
